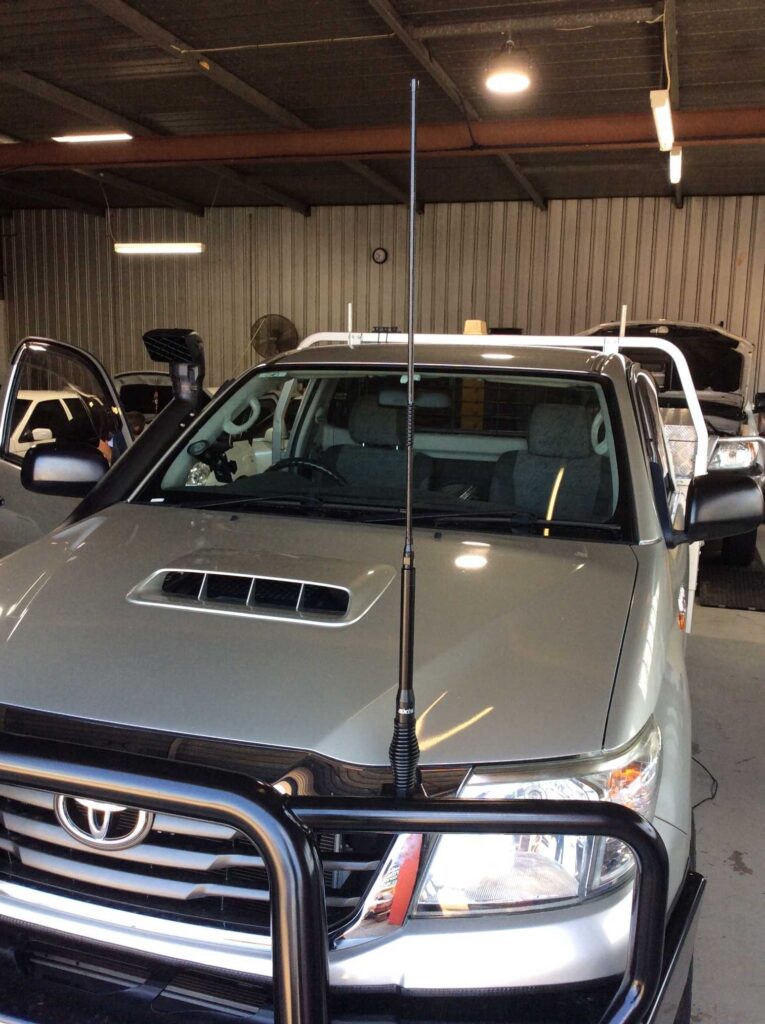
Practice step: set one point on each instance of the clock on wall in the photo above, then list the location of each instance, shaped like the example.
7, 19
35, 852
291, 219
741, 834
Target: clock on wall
379, 255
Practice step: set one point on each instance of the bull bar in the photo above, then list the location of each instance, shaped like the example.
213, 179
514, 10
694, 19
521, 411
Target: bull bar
281, 827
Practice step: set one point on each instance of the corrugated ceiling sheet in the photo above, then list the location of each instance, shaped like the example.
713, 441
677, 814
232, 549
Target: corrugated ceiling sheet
508, 263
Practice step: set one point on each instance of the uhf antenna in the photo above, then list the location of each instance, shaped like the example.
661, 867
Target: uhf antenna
404, 749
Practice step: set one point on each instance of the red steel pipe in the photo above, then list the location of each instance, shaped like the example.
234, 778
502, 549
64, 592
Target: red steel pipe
558, 134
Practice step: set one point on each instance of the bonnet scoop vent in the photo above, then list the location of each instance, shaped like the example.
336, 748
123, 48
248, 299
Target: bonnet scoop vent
234, 593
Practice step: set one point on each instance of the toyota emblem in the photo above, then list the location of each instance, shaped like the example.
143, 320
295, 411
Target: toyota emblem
102, 825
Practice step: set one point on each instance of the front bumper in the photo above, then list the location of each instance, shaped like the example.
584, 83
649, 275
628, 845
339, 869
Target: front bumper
281, 829
548, 948
36, 989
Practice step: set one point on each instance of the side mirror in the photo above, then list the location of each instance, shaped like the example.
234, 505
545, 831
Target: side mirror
69, 471
722, 504
34, 435
759, 401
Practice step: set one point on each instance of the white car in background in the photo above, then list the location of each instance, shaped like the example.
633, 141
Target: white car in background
41, 417
723, 371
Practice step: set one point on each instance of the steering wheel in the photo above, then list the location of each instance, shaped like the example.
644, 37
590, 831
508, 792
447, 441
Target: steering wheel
308, 464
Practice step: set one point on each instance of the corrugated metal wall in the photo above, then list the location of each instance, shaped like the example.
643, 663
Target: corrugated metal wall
549, 272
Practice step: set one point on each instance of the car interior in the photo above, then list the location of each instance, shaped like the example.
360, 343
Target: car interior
538, 446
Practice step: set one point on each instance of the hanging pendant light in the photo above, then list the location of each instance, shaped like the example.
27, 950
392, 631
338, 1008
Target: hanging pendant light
509, 71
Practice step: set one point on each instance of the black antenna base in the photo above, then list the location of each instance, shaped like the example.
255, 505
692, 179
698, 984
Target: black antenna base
404, 753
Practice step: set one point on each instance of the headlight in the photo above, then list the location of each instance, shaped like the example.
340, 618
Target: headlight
478, 874
734, 454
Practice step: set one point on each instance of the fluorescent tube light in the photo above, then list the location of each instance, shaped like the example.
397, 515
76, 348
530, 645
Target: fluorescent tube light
158, 248
94, 137
676, 164
662, 117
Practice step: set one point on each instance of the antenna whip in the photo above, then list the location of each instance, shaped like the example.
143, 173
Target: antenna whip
404, 750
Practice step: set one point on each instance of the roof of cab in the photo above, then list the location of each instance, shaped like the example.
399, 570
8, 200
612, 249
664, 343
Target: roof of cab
469, 354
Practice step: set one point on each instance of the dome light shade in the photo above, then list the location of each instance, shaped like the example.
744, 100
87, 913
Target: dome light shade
509, 72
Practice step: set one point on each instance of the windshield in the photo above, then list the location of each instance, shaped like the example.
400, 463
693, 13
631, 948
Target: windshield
510, 451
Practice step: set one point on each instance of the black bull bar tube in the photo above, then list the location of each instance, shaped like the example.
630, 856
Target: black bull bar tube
281, 827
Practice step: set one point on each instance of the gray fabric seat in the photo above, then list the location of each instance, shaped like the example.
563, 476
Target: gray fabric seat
559, 438
378, 457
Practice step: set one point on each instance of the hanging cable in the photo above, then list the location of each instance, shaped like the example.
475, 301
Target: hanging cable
715, 785
667, 72
108, 212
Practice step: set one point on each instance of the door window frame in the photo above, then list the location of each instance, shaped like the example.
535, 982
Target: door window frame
11, 387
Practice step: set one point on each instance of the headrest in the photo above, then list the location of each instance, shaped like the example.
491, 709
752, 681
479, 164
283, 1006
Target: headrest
396, 398
371, 423
560, 430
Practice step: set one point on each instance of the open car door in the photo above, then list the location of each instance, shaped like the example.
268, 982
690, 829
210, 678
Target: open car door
54, 393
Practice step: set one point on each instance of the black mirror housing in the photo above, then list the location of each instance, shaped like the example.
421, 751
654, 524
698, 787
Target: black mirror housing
722, 504
69, 471
759, 401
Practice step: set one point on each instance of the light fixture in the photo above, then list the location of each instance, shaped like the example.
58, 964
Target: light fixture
662, 117
509, 71
94, 137
158, 248
676, 164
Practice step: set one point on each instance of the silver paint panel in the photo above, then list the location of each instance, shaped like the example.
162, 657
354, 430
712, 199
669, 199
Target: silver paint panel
488, 641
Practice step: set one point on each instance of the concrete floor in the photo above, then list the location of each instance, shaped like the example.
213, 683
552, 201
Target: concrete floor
726, 667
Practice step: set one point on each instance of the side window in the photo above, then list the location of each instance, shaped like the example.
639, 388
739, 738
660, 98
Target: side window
653, 429
57, 397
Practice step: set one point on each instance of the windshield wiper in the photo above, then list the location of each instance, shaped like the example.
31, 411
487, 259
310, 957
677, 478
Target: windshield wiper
512, 519
284, 501
244, 501
371, 513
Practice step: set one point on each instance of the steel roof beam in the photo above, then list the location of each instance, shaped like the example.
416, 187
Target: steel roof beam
391, 17
259, 188
130, 187
141, 191
67, 100
457, 139
380, 181
15, 190
149, 30
536, 22
59, 97
522, 180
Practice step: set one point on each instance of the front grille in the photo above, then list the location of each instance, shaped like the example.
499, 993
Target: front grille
199, 872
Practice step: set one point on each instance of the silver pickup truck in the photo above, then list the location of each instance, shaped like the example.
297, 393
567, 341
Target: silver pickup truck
212, 608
